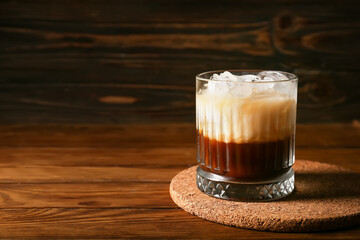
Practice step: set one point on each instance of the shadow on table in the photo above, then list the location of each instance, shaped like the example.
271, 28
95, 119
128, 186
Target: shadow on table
325, 185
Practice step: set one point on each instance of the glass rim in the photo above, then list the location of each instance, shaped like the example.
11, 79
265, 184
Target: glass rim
291, 76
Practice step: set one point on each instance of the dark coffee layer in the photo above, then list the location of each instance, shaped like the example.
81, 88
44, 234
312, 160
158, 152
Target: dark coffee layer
245, 161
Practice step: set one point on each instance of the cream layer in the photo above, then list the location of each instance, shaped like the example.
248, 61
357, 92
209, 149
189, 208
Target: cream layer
267, 116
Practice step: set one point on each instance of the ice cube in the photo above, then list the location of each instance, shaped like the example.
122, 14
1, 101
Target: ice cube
215, 77
215, 87
267, 79
240, 89
274, 75
248, 78
264, 86
225, 76
266, 83
229, 76
286, 89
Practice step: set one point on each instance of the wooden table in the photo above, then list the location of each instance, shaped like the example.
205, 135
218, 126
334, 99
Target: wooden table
109, 181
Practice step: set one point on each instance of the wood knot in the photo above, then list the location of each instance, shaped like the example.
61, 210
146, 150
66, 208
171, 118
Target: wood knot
319, 94
285, 21
118, 100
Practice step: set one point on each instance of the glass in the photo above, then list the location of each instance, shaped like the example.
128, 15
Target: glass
245, 136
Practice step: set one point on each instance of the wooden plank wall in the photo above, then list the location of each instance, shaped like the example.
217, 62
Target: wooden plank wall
134, 61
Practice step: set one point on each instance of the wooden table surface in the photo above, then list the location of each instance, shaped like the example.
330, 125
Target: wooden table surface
112, 181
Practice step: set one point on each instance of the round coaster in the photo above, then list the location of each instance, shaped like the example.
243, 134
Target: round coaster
325, 197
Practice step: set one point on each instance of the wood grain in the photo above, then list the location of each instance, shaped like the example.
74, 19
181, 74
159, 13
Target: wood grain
171, 157
93, 136
30, 174
43, 174
155, 135
129, 194
60, 60
71, 71
112, 181
132, 223
320, 101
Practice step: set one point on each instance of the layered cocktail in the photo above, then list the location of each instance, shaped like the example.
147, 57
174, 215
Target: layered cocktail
245, 122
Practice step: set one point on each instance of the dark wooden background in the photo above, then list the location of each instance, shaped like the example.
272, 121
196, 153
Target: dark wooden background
134, 61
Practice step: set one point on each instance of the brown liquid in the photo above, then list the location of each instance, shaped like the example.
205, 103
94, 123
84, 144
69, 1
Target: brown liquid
245, 161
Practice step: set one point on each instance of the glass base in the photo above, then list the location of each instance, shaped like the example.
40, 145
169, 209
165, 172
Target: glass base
216, 186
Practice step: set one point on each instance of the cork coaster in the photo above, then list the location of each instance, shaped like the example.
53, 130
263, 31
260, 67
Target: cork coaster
325, 197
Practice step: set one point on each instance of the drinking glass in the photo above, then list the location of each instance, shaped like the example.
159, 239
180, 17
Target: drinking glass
245, 136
